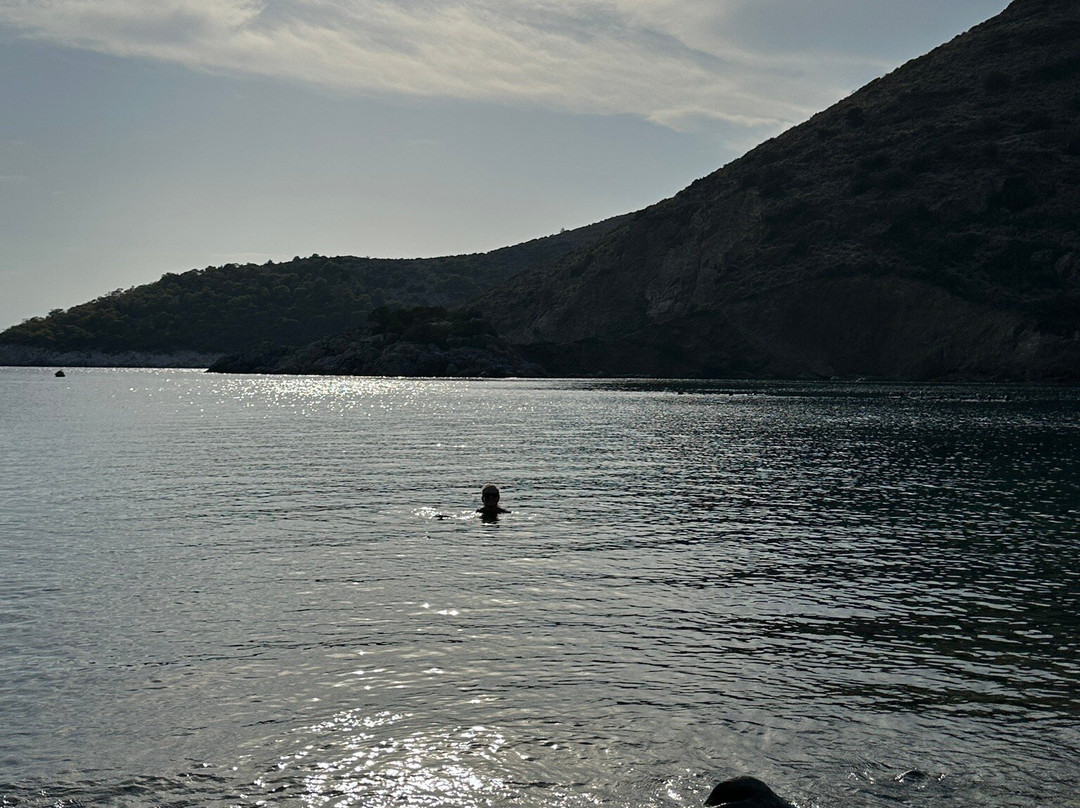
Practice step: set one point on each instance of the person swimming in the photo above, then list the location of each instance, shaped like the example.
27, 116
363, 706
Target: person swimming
490, 510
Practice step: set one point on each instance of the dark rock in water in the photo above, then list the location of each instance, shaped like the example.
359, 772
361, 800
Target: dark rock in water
745, 792
60, 374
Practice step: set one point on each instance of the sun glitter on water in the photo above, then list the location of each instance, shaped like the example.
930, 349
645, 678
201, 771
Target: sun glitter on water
360, 759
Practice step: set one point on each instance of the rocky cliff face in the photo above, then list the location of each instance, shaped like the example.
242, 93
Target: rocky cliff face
925, 227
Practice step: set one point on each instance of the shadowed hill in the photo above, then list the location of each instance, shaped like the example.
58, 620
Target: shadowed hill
192, 317
925, 227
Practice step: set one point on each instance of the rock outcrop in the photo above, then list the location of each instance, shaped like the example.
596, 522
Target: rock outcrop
744, 792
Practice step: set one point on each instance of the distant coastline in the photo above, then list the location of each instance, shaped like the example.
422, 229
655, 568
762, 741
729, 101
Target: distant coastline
29, 356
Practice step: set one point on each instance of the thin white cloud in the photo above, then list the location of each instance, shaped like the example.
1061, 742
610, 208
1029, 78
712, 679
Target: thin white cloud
674, 62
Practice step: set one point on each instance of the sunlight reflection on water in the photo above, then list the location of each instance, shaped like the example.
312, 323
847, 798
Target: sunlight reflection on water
221, 590
349, 764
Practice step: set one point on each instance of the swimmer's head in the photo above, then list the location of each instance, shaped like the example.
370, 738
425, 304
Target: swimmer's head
490, 494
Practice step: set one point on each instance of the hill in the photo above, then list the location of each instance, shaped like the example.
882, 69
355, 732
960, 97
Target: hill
197, 316
421, 341
925, 227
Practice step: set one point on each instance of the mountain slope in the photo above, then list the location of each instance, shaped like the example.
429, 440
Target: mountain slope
925, 227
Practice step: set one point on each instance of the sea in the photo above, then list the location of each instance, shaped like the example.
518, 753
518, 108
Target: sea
226, 590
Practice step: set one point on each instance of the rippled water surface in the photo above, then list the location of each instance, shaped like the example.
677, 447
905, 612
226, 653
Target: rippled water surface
240, 591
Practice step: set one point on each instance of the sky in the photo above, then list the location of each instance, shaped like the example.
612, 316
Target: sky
139, 137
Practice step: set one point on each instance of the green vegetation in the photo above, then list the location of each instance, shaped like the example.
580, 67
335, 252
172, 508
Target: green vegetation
432, 325
205, 310
237, 308
419, 341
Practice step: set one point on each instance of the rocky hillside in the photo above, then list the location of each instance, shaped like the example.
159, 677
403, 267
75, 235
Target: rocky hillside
926, 227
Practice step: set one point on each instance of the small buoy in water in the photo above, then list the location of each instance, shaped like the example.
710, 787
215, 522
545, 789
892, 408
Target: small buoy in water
60, 374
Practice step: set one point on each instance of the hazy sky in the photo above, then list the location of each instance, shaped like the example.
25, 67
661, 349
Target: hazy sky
139, 137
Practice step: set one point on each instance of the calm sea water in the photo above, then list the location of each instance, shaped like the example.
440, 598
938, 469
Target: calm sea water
242, 591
